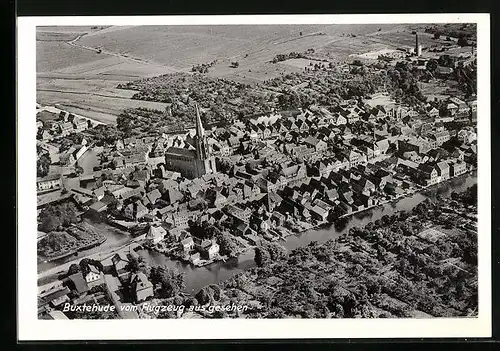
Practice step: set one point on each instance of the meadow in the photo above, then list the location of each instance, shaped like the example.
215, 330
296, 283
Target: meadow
83, 73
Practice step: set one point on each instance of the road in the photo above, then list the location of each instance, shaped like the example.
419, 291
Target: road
102, 255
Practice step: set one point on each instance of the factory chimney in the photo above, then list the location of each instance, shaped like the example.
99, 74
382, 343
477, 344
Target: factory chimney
418, 47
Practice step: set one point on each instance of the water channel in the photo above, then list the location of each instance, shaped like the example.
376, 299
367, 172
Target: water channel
197, 277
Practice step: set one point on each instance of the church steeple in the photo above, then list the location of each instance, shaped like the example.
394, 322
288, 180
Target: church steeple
200, 140
200, 132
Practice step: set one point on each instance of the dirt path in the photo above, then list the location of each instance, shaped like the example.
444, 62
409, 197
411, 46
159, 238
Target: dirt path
75, 43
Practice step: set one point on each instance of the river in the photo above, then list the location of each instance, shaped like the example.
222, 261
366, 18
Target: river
196, 278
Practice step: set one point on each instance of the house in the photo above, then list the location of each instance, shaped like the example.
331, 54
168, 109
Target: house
46, 135
195, 258
98, 207
140, 287
155, 234
418, 145
440, 137
462, 107
432, 111
318, 145
56, 298
443, 72
210, 250
457, 168
93, 277
354, 158
318, 213
443, 171
428, 174
187, 244
153, 195
78, 283
50, 182
277, 218
135, 211
363, 185
120, 265
181, 218
294, 174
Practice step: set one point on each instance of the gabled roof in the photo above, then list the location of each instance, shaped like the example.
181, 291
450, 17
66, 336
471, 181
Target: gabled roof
79, 282
139, 281
155, 232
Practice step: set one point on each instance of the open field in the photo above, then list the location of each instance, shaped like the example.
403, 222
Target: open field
98, 107
79, 67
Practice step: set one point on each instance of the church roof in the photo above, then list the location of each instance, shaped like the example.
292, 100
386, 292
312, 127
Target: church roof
177, 151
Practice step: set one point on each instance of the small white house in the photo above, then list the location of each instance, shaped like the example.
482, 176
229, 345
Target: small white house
156, 234
93, 277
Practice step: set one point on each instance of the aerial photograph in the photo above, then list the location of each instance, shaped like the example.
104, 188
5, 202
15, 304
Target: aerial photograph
257, 171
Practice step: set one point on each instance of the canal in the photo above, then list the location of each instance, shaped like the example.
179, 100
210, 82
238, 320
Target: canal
198, 277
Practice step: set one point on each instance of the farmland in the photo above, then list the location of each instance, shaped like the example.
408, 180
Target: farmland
79, 68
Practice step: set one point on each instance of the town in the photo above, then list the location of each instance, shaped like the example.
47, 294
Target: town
306, 157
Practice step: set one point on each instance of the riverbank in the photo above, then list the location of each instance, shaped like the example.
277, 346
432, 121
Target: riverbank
197, 278
417, 190
391, 268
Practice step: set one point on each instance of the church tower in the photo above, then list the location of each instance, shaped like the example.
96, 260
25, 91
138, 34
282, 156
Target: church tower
205, 161
199, 138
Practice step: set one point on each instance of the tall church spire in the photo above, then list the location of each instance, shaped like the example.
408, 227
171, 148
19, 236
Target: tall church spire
200, 142
200, 132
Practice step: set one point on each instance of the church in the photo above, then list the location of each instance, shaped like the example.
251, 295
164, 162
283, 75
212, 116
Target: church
193, 162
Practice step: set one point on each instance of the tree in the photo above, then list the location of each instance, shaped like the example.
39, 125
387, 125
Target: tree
84, 265
431, 65
171, 281
235, 64
437, 35
227, 245
262, 257
208, 294
55, 216
462, 40
136, 264
74, 268
43, 165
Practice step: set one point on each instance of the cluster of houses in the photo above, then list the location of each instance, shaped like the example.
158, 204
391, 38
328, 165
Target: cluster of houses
78, 288
51, 125
271, 170
317, 164
75, 289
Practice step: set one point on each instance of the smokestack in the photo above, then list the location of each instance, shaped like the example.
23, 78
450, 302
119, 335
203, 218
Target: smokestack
418, 48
